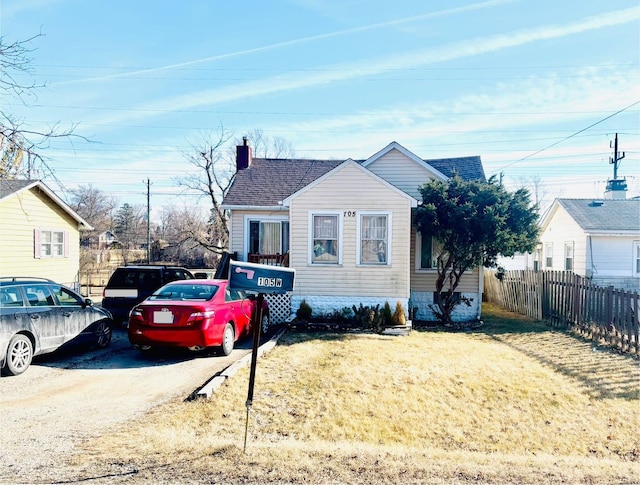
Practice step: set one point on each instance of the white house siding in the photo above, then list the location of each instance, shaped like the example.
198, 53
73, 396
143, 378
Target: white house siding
401, 172
562, 228
349, 191
613, 261
423, 284
19, 216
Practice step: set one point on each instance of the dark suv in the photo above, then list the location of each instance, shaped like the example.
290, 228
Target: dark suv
38, 316
129, 285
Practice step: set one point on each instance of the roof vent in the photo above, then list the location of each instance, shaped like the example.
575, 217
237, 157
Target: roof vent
596, 203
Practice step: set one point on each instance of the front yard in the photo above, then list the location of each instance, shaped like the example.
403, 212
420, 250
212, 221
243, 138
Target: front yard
511, 402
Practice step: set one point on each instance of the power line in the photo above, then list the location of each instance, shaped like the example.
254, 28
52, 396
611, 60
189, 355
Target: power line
570, 136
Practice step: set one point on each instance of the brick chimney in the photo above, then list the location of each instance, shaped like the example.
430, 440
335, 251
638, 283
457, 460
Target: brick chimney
243, 155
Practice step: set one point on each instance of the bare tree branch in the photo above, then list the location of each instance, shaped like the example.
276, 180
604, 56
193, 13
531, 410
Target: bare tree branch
21, 147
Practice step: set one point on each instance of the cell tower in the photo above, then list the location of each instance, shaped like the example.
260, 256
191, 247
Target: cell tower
616, 187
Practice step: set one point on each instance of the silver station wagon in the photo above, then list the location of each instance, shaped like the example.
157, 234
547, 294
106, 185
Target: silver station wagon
38, 316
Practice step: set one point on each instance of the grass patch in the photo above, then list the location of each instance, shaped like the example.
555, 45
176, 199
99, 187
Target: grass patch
511, 402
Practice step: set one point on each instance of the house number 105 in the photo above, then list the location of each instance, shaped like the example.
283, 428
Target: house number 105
349, 213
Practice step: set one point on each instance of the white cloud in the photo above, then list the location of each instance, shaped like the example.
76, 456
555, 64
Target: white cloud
368, 67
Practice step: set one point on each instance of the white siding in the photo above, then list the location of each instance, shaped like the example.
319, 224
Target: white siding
612, 256
562, 228
401, 172
19, 216
349, 191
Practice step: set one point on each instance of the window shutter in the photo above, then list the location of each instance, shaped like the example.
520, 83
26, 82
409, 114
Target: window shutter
65, 244
36, 244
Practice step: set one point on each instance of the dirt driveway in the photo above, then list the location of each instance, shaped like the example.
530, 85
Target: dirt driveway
71, 395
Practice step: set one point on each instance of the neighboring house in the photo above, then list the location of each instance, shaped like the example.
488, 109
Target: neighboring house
39, 233
346, 226
598, 239
106, 239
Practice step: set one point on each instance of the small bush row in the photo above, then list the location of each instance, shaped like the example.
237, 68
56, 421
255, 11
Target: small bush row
362, 316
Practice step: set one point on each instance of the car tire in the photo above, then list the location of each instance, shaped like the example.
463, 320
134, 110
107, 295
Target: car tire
228, 339
266, 324
19, 355
102, 333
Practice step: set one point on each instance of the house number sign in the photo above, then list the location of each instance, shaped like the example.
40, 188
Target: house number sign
261, 278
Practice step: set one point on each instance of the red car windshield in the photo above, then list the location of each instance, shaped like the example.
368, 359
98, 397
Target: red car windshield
196, 292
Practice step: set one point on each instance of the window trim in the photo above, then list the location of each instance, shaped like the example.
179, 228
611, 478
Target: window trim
38, 242
311, 216
636, 259
389, 251
248, 219
567, 245
418, 254
548, 255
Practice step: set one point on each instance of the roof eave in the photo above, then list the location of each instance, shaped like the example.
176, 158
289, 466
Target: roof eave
254, 207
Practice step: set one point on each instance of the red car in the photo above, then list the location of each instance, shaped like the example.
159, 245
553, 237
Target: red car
195, 314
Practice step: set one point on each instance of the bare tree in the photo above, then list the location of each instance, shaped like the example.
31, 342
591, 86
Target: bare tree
21, 146
177, 236
212, 180
265, 146
214, 158
542, 196
95, 207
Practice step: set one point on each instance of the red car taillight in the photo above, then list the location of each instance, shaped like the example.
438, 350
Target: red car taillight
136, 313
199, 317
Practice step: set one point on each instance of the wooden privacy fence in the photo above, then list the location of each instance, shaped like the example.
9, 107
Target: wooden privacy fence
569, 301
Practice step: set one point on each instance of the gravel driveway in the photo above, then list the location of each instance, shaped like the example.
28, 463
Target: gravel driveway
72, 395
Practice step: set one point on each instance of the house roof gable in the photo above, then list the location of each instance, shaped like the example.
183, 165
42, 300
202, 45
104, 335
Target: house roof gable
601, 215
358, 166
10, 188
468, 168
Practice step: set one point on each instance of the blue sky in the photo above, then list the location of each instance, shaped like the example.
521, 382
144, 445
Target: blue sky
531, 86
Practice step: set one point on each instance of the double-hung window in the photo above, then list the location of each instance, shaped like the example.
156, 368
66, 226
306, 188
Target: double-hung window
636, 258
548, 255
568, 256
50, 243
374, 230
268, 237
325, 238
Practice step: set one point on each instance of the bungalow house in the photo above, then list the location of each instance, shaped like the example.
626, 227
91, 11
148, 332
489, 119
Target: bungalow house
39, 233
597, 239
346, 226
106, 239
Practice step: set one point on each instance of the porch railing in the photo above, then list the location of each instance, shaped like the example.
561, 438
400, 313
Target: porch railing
271, 259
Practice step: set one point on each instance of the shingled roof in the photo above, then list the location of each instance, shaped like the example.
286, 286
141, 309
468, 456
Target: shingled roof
8, 187
604, 215
268, 181
468, 168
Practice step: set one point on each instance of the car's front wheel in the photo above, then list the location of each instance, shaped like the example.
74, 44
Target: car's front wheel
102, 333
228, 339
19, 355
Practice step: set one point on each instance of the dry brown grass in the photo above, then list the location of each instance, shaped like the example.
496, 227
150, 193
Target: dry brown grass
513, 402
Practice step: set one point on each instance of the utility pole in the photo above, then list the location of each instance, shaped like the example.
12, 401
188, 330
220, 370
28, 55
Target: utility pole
616, 187
148, 221
615, 159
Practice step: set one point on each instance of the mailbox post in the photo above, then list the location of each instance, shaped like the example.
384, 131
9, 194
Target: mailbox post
263, 279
